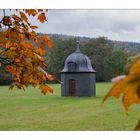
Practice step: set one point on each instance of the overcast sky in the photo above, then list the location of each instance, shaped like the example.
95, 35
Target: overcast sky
114, 24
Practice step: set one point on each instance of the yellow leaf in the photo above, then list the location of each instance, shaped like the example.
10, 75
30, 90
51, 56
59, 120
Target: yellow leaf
23, 17
8, 44
33, 33
16, 18
130, 95
33, 12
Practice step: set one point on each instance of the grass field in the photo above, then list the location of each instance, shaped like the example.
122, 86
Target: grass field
31, 110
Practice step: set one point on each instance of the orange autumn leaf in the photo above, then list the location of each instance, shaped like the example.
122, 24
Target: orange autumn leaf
33, 27
129, 86
27, 45
40, 51
45, 88
135, 68
7, 20
42, 17
11, 70
21, 57
28, 11
47, 41
17, 60
49, 44
137, 128
130, 95
21, 36
25, 79
12, 33
32, 12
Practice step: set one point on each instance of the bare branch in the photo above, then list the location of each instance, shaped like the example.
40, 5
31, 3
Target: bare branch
4, 12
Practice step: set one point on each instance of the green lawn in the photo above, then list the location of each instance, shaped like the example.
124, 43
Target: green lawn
31, 110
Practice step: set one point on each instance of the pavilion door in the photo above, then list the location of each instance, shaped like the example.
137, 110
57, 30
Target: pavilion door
72, 87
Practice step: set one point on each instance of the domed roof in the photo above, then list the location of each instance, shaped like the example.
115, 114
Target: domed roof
78, 62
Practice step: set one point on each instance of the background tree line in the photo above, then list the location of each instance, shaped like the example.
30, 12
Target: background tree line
108, 62
105, 59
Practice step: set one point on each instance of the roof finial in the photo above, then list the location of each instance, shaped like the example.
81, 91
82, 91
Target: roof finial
78, 47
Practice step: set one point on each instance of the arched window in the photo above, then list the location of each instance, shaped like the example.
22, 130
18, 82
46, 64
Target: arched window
72, 87
71, 66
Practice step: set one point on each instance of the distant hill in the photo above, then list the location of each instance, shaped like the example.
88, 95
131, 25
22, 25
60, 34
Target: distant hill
124, 45
117, 45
